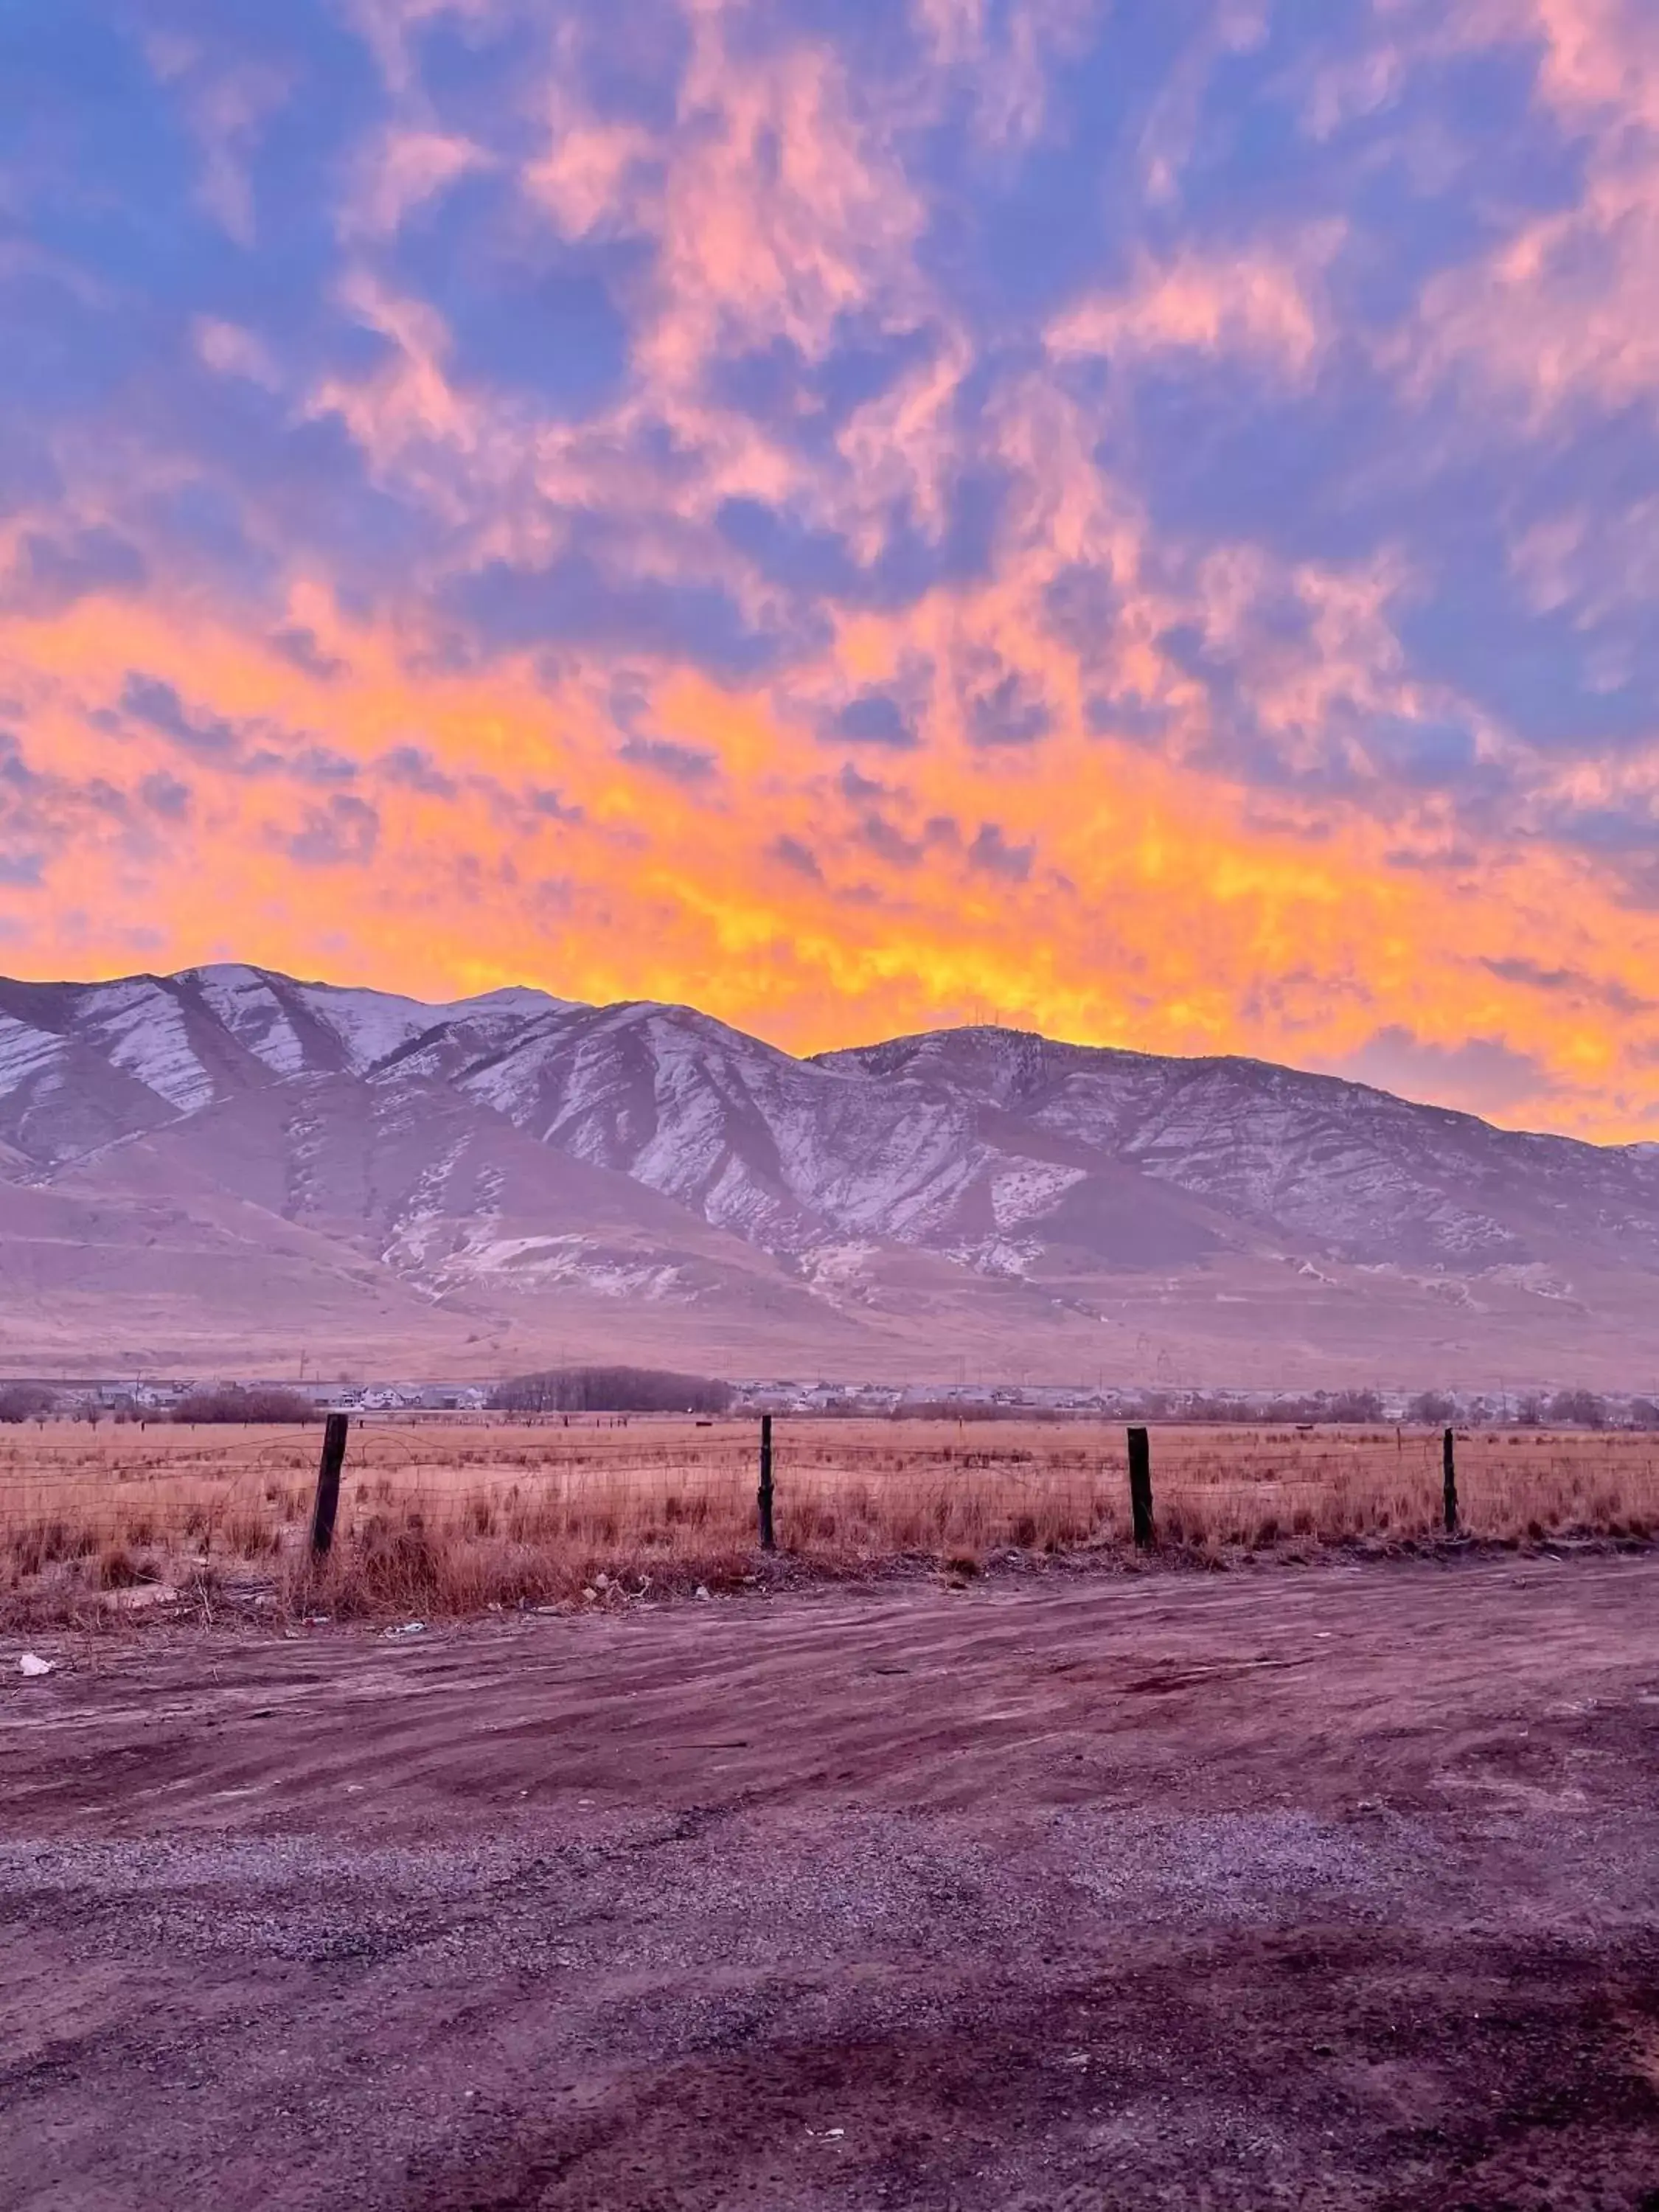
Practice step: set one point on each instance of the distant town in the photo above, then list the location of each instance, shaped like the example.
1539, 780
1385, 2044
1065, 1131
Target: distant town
157, 1397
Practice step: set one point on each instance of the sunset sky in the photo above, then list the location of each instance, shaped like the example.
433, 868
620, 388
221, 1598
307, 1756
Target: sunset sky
1140, 520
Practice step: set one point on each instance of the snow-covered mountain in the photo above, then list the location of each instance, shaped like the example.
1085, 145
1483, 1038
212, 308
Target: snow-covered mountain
523, 1162
82, 1063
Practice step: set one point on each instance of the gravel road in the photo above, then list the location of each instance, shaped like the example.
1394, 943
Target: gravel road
1326, 1889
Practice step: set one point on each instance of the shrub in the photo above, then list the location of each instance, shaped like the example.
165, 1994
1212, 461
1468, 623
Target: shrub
1577, 1409
118, 1569
259, 1402
25, 1402
1356, 1409
610, 1390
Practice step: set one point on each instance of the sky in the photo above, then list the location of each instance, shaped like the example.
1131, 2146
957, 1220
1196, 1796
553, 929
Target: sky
1137, 520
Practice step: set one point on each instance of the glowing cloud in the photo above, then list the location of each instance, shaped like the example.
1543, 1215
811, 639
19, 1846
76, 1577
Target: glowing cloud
1144, 528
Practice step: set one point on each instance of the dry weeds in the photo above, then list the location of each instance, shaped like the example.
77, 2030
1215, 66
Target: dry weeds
456, 1517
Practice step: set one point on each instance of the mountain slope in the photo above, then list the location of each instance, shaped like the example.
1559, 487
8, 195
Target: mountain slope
1353, 1172
478, 1177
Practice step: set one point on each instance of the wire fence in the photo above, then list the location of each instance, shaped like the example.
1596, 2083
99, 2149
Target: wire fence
856, 1489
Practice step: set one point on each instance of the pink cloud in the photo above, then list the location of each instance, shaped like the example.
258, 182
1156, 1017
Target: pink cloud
1007, 58
398, 172
1566, 307
226, 104
1259, 303
228, 349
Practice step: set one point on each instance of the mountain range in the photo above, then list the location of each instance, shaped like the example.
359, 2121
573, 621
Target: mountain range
228, 1169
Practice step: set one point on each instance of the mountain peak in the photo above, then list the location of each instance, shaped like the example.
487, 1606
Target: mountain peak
500, 1152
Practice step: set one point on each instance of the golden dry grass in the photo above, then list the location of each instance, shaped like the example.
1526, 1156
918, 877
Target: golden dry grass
457, 1516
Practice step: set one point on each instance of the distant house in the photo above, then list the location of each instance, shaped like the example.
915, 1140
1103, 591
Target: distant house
156, 1397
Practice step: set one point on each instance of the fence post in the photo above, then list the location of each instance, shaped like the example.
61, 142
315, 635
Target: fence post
768, 1543
1140, 1486
328, 1483
1448, 1467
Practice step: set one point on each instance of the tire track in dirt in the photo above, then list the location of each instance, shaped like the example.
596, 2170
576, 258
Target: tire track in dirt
1332, 1889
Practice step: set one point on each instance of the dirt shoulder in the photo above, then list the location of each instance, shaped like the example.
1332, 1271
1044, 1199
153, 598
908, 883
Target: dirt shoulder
1326, 1889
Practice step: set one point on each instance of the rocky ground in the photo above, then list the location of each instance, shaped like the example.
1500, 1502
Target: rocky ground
1325, 1888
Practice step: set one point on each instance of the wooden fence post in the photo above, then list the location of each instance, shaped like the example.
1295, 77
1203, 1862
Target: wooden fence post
768, 1542
1140, 1486
1449, 1467
328, 1483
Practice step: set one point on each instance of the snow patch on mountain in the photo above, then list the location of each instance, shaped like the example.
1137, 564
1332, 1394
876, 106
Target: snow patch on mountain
539, 1262
840, 1271
254, 1015
1029, 1188
1011, 1257
516, 1001
425, 1211
141, 1029
26, 1052
370, 1024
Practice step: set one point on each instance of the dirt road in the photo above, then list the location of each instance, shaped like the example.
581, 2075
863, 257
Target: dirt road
1326, 1889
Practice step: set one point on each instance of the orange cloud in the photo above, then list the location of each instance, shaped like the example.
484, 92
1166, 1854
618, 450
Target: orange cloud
1118, 781
1092, 890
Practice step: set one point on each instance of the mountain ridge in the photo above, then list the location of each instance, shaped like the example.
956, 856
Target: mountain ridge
511, 1168
1227, 1059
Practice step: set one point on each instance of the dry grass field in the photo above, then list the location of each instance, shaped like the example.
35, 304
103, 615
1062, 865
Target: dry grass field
456, 1516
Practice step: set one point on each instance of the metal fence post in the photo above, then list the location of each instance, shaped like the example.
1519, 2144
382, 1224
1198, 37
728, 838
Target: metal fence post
1449, 1467
1140, 1486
